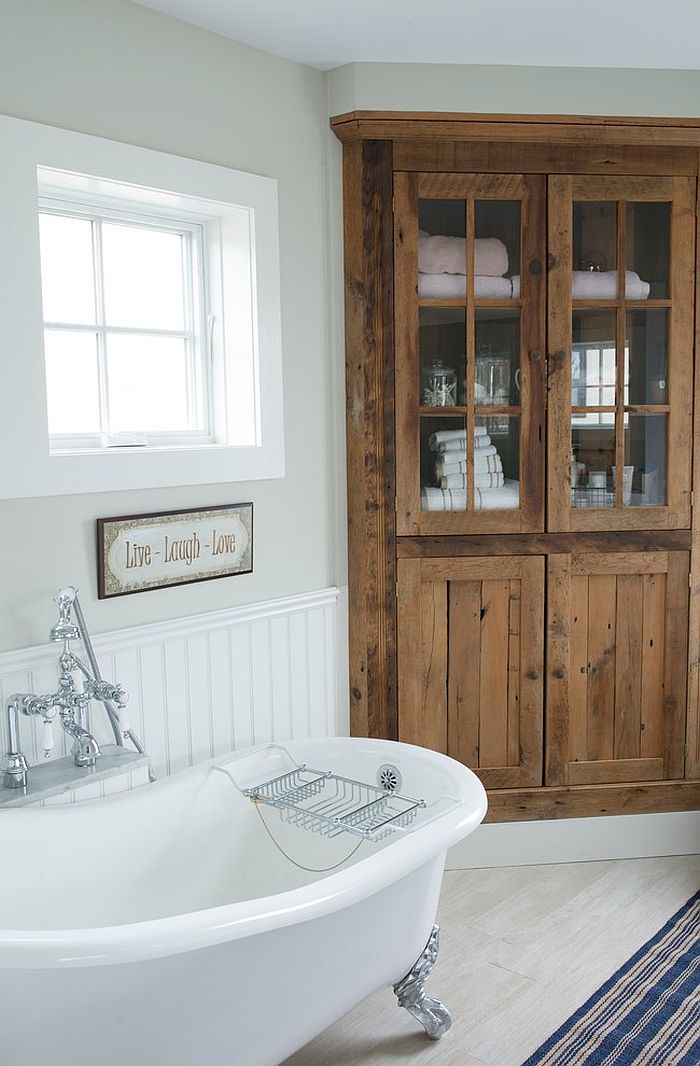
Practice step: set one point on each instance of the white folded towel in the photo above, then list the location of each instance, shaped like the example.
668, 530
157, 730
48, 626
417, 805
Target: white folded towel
452, 446
454, 287
600, 285
505, 498
448, 255
481, 481
443, 435
449, 464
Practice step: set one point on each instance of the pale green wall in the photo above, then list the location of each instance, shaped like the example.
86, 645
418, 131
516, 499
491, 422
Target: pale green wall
524, 90
118, 70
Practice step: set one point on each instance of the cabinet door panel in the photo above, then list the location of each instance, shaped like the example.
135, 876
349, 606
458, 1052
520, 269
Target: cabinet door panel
470, 315
471, 663
620, 322
616, 689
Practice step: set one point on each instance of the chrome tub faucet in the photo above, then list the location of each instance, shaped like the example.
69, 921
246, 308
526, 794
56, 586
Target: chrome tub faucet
69, 703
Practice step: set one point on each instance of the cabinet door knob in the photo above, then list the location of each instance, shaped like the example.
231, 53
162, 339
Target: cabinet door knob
560, 672
533, 675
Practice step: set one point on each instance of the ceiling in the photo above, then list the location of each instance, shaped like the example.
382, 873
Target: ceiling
572, 33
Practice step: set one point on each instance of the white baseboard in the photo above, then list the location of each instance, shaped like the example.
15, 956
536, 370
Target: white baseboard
629, 836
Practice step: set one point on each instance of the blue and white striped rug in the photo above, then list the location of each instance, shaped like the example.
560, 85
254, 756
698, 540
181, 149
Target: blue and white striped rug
647, 1014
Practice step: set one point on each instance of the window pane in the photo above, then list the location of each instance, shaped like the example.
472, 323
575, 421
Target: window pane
497, 251
442, 337
67, 280
645, 460
647, 333
595, 248
71, 382
648, 243
147, 383
442, 250
592, 460
593, 364
142, 277
497, 359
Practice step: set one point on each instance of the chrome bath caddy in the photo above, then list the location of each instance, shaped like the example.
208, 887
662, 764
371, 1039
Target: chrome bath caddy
326, 803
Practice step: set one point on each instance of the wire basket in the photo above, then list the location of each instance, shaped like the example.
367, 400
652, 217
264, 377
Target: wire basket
326, 803
586, 496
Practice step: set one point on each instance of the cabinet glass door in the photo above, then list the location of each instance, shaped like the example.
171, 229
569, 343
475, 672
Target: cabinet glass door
469, 254
620, 344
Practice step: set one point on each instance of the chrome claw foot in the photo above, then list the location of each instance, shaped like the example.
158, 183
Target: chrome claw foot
432, 1015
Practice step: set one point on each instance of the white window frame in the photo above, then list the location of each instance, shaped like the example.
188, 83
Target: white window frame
193, 333
239, 214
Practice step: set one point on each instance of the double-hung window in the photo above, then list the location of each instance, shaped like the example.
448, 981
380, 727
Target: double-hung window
140, 317
125, 327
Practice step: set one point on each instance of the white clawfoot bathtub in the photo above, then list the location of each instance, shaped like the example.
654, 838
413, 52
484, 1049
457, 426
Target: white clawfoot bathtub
165, 927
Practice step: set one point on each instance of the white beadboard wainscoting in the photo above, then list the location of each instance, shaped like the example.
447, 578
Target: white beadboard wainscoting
209, 683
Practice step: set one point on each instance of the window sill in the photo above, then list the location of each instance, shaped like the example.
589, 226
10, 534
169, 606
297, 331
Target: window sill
123, 469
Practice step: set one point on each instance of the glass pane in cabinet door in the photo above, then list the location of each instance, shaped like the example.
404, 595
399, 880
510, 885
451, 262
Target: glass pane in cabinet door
592, 460
442, 342
594, 250
592, 362
496, 249
644, 480
497, 357
442, 249
496, 462
646, 356
647, 239
443, 463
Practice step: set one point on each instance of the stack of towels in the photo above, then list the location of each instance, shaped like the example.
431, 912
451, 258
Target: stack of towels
492, 491
442, 266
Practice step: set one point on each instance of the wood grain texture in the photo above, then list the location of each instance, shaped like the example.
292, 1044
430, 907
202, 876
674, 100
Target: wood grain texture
370, 432
433, 650
692, 763
525, 158
590, 801
543, 544
676, 657
464, 679
653, 655
561, 129
560, 245
558, 701
607, 772
628, 668
493, 675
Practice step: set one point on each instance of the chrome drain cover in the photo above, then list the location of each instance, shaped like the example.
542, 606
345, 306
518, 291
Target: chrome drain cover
389, 777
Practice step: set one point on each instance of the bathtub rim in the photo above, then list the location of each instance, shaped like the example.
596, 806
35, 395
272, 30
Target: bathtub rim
194, 930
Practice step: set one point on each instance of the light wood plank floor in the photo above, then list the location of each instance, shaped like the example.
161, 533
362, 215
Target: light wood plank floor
521, 949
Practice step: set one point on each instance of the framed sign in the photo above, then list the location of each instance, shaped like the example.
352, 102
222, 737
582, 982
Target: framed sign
136, 553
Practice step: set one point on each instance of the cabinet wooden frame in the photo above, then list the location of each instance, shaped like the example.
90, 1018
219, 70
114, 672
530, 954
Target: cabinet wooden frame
375, 145
563, 192
528, 191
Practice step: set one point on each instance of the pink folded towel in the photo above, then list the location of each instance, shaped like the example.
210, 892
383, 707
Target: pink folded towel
448, 255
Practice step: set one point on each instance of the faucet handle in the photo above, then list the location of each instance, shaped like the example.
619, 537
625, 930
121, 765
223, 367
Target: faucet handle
47, 737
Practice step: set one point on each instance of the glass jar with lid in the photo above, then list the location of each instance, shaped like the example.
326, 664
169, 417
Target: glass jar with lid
438, 385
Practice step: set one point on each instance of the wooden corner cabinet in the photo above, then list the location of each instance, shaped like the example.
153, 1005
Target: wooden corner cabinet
522, 406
